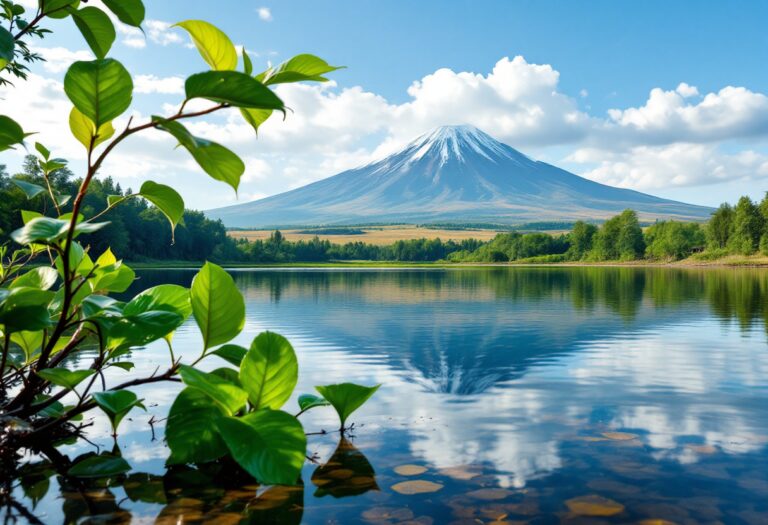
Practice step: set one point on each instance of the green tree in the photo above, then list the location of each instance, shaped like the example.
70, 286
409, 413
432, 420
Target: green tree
674, 240
630, 242
747, 227
581, 240
720, 227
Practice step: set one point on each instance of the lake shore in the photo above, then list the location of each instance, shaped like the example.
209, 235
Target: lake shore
731, 261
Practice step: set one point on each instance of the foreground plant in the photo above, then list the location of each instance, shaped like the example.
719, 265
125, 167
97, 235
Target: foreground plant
55, 302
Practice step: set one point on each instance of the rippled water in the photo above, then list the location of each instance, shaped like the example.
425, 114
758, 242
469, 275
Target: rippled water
526, 396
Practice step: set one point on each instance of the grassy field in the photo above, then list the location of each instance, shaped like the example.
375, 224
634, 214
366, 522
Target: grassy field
380, 235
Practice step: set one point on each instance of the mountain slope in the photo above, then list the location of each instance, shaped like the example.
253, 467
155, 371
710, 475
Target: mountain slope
453, 174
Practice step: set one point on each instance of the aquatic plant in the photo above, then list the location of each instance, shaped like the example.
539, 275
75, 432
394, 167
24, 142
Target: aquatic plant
61, 327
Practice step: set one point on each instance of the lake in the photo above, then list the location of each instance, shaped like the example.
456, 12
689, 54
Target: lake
510, 395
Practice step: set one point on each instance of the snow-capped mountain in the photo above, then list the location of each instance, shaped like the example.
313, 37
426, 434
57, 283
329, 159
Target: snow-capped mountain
452, 174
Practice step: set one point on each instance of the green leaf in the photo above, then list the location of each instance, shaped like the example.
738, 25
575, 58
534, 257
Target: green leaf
57, 8
68, 379
191, 429
41, 229
233, 88
255, 117
84, 130
29, 342
214, 46
79, 262
167, 200
11, 133
216, 160
117, 280
101, 89
300, 68
227, 374
95, 304
113, 275
27, 215
102, 466
96, 28
49, 230
116, 404
269, 444
164, 297
231, 353
112, 200
229, 397
7, 43
141, 329
107, 258
42, 150
25, 309
346, 397
53, 165
247, 64
307, 401
42, 277
217, 305
269, 372
129, 12
29, 189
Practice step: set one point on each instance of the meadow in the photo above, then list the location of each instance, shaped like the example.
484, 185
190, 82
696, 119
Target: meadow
377, 235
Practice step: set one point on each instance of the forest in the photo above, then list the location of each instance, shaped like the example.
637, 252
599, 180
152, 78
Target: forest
139, 232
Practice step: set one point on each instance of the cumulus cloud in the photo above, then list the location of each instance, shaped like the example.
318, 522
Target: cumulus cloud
677, 137
668, 116
680, 164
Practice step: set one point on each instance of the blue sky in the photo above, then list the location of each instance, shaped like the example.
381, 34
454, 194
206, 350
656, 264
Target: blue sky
579, 94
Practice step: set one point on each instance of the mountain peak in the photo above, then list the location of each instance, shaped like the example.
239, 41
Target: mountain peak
453, 174
457, 142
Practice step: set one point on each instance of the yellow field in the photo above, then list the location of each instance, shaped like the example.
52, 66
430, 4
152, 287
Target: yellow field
381, 235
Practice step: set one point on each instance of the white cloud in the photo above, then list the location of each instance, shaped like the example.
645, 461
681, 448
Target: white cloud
161, 32
673, 139
155, 31
677, 137
40, 106
58, 59
162, 85
680, 164
265, 14
687, 91
669, 117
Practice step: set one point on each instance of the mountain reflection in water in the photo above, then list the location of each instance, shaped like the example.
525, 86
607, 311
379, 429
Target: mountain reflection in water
645, 386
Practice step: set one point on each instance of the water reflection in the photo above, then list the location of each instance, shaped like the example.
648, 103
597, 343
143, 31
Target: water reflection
516, 389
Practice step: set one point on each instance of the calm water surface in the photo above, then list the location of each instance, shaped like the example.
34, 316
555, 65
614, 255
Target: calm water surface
526, 396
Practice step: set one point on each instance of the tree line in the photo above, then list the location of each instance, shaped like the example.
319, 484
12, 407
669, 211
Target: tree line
732, 230
138, 231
